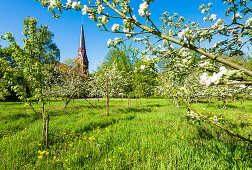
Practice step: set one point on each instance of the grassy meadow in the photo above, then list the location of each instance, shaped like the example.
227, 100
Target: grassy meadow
151, 134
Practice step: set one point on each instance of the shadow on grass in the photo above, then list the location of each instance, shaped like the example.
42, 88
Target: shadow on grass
202, 101
154, 105
204, 133
135, 110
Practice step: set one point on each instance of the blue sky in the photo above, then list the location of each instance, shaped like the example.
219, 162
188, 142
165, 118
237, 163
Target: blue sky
66, 29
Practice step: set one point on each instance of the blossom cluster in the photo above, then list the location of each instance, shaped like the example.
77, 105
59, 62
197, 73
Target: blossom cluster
214, 79
143, 8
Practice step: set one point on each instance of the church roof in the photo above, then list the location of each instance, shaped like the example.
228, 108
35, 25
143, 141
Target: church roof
82, 40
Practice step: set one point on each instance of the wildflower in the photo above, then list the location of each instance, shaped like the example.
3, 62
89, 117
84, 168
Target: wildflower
87, 155
66, 160
40, 157
54, 157
91, 138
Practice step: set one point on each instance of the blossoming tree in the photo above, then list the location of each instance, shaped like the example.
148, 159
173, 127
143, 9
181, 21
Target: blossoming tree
175, 31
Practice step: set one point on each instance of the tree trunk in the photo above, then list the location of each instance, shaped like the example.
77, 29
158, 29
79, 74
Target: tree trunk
224, 104
129, 100
107, 90
45, 123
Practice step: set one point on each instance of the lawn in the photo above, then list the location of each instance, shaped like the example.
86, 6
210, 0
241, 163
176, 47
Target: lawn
152, 134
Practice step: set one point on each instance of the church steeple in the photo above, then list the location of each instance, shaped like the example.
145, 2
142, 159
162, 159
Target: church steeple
82, 60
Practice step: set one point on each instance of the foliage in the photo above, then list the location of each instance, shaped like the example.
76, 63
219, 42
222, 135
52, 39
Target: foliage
25, 74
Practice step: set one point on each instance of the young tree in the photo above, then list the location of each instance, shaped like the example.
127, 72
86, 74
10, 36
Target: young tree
32, 62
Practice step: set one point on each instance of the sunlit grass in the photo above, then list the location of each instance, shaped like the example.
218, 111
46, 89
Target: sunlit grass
150, 135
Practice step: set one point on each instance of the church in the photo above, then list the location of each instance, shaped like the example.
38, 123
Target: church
81, 62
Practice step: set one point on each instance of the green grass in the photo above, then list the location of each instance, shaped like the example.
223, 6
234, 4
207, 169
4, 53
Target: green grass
153, 135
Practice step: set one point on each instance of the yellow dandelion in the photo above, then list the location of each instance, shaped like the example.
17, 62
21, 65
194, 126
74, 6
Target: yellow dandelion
40, 144
91, 138
66, 160
109, 159
182, 137
87, 155
40, 157
54, 157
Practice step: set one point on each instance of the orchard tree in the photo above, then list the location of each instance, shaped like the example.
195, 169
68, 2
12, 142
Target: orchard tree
175, 30
31, 62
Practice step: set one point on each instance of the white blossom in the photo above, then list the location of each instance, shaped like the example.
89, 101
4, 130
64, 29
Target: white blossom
115, 27
142, 9
103, 19
68, 3
242, 86
116, 40
148, 58
53, 3
212, 17
75, 4
142, 67
204, 64
100, 9
109, 42
249, 22
134, 17
126, 30
238, 16
203, 11
84, 10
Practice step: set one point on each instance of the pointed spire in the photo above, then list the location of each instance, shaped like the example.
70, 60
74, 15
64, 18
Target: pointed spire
82, 41
82, 59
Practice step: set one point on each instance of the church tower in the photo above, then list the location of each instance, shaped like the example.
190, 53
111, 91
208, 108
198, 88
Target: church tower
81, 62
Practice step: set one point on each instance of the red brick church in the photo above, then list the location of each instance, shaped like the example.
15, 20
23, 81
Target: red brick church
81, 62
